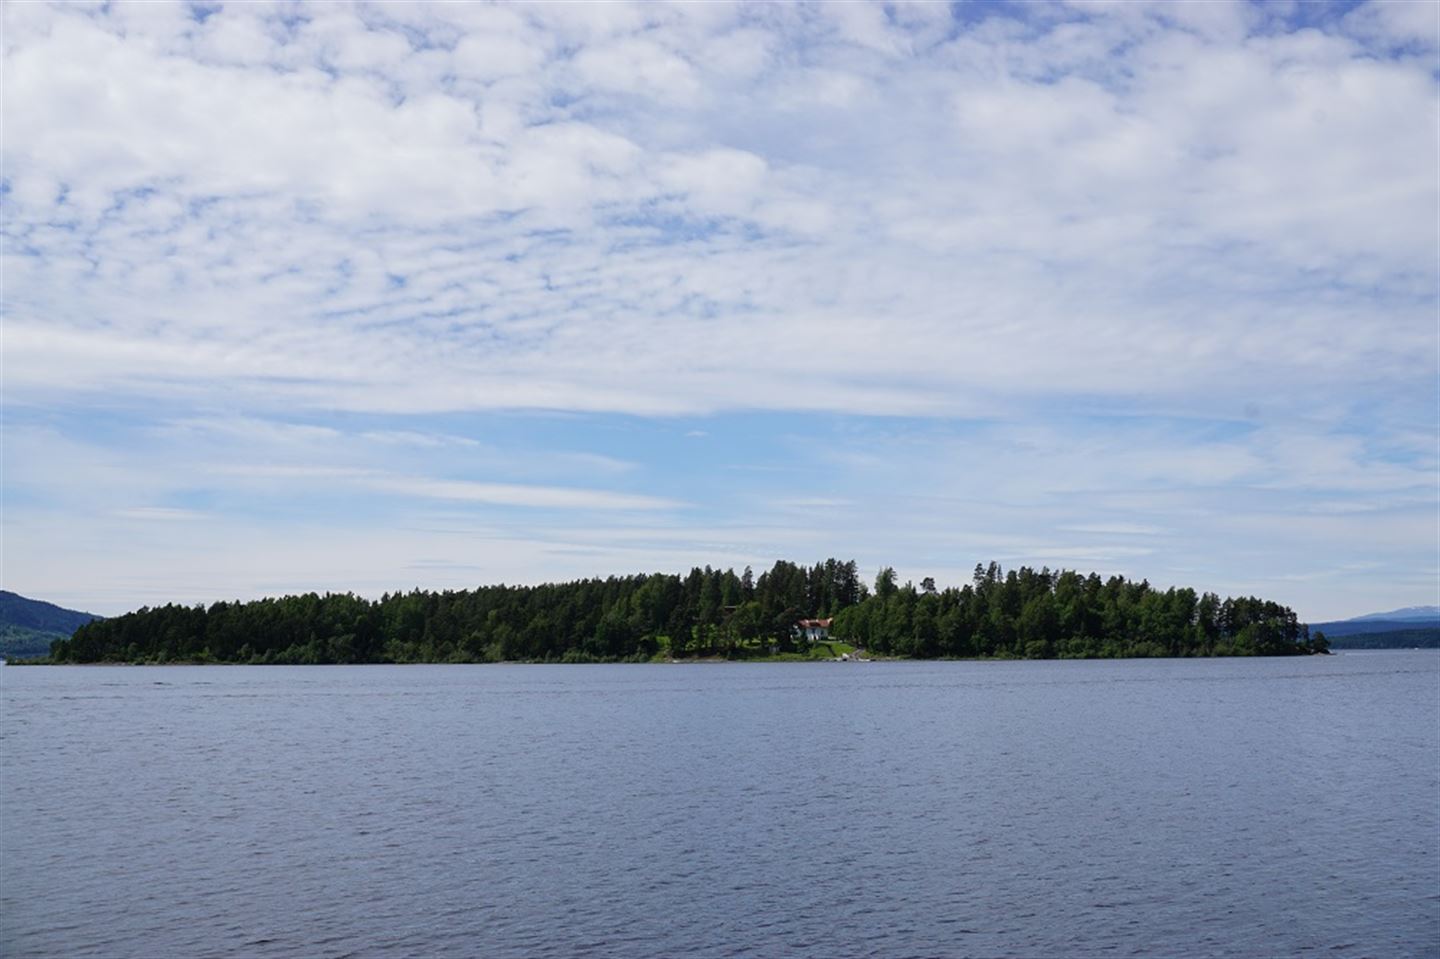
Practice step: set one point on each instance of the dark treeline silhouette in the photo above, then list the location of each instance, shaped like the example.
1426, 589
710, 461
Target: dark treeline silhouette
1421, 637
708, 613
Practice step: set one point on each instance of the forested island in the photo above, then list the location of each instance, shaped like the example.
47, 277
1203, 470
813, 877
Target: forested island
1021, 613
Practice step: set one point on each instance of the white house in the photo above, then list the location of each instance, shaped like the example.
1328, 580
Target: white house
813, 630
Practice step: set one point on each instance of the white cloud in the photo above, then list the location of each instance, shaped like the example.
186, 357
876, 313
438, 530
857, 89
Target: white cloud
490, 56
639, 67
1117, 529
1223, 195
163, 514
510, 494
1399, 22
716, 182
865, 24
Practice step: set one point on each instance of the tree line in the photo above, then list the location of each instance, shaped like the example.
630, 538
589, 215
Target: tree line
1021, 613
1039, 614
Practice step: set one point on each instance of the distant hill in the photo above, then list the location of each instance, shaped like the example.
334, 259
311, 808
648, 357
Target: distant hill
1423, 638
1411, 627
1363, 627
29, 626
1409, 614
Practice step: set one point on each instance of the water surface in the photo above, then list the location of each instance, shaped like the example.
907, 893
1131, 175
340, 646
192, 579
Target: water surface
1175, 807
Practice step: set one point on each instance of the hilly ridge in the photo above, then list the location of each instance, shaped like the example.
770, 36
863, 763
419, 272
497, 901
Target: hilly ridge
1409, 614
1411, 627
29, 626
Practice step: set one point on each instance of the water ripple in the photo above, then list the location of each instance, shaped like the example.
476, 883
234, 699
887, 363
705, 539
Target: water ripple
1217, 808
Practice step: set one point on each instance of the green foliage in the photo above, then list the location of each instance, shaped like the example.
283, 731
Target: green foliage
19, 641
707, 613
1039, 614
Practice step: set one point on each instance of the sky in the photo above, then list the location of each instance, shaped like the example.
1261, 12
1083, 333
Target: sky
373, 297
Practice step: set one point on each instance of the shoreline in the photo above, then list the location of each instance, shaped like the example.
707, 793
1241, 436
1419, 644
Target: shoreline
707, 661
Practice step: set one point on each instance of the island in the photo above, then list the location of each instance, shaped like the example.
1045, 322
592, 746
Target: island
790, 611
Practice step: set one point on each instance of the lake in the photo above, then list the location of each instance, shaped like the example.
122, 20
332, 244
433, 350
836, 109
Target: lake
1257, 807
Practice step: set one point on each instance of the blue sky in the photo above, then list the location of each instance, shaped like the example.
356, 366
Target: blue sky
370, 297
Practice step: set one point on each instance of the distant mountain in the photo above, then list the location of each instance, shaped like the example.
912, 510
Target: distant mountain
1410, 614
16, 610
1364, 627
29, 626
1426, 637
1408, 628
1400, 620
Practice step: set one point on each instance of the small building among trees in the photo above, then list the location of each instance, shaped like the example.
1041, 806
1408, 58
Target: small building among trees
813, 630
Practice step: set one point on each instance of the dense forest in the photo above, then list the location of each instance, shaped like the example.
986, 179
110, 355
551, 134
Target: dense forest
1022, 613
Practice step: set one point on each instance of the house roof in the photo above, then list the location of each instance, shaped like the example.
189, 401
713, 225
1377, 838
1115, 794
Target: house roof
822, 623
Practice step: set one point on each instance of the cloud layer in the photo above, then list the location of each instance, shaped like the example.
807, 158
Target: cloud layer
1203, 235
